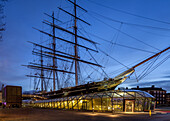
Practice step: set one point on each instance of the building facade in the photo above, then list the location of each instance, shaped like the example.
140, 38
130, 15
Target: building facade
0, 98
168, 98
158, 93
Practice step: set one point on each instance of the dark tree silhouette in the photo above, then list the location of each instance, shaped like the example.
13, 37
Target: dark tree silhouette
2, 16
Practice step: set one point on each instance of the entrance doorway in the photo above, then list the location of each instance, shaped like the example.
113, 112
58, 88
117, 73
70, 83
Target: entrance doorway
129, 105
84, 105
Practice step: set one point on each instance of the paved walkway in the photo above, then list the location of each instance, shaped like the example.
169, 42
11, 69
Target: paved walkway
33, 114
163, 110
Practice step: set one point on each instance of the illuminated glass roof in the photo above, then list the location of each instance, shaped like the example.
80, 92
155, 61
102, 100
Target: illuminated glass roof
126, 94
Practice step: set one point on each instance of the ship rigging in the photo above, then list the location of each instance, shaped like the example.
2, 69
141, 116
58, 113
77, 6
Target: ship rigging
52, 70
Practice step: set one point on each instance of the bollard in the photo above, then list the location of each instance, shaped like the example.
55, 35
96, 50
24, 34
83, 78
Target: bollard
112, 111
93, 110
150, 112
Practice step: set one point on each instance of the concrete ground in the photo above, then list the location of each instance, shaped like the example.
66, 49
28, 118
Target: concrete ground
33, 114
163, 109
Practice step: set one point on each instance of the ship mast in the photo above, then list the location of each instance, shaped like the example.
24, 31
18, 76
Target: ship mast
42, 73
75, 46
55, 55
55, 74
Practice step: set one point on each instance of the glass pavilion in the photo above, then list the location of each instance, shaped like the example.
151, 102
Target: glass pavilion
107, 101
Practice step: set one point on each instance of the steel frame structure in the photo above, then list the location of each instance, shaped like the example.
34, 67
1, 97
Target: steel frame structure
101, 101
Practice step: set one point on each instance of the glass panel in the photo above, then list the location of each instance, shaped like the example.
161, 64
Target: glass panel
147, 105
105, 103
139, 104
65, 105
129, 94
89, 104
70, 103
97, 104
118, 104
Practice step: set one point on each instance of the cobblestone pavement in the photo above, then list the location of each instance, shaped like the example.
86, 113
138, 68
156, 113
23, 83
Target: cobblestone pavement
33, 114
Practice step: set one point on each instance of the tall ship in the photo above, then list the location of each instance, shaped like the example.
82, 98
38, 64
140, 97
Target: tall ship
58, 72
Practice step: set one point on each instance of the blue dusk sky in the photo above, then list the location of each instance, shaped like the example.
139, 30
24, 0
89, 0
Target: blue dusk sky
127, 32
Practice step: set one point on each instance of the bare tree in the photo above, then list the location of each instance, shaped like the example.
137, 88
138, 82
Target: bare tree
2, 16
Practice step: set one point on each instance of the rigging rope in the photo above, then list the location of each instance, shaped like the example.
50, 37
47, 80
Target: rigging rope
68, 76
159, 64
126, 34
121, 44
156, 66
134, 48
117, 35
128, 13
131, 24
113, 58
91, 54
147, 68
97, 63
